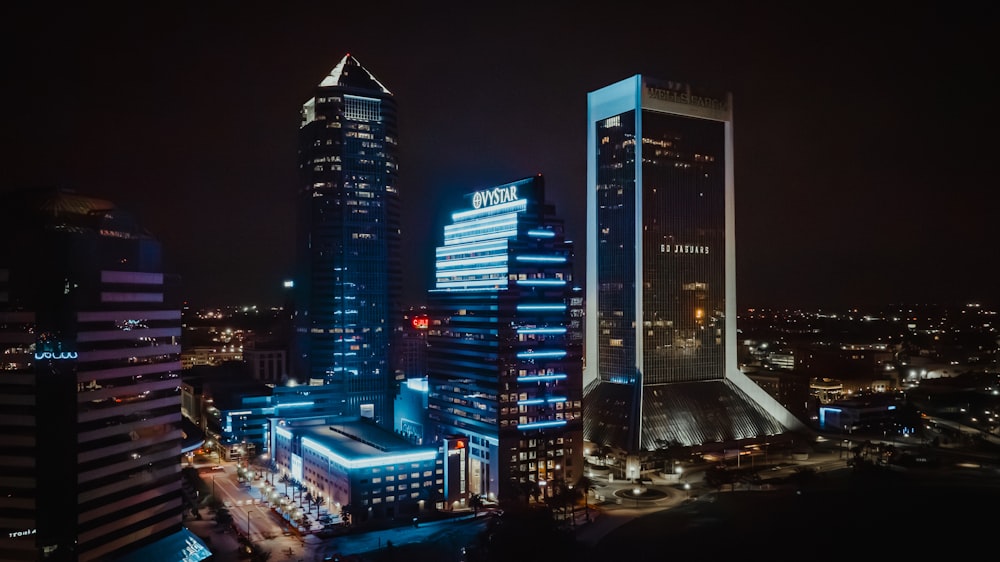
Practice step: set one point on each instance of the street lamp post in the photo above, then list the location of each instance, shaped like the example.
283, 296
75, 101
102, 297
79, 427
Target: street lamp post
248, 523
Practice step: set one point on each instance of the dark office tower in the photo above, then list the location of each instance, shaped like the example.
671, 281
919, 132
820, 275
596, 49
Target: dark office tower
661, 283
505, 341
90, 427
348, 282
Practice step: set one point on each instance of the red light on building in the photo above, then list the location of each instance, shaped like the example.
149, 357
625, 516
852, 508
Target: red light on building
421, 322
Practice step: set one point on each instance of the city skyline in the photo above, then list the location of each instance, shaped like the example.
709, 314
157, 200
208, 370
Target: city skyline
858, 179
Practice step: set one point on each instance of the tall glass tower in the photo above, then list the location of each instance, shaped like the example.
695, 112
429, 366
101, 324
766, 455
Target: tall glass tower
505, 342
348, 277
661, 307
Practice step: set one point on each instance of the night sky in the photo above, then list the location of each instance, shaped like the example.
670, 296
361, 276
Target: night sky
863, 132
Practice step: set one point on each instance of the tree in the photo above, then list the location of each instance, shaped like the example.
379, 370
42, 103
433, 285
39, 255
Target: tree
562, 497
530, 490
318, 501
475, 502
347, 514
259, 554
223, 518
272, 467
585, 485
557, 502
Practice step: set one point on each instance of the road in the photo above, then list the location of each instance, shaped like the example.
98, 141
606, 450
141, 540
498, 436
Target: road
612, 517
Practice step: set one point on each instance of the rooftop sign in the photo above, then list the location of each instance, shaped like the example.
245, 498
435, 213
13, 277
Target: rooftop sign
495, 196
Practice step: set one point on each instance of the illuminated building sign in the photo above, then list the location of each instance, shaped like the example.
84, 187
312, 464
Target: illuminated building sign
421, 322
683, 249
24, 533
685, 98
49, 347
39, 355
495, 196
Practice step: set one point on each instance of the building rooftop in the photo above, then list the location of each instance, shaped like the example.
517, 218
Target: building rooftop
357, 443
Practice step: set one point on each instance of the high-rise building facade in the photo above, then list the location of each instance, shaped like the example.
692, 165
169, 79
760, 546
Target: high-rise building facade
91, 412
505, 341
661, 279
348, 279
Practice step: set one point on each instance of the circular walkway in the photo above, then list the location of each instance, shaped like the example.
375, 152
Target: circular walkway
645, 493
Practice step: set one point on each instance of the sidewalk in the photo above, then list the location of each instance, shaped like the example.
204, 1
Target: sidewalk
220, 540
615, 511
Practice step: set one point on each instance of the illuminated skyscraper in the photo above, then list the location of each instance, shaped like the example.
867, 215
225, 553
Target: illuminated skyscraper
348, 277
505, 341
661, 275
89, 384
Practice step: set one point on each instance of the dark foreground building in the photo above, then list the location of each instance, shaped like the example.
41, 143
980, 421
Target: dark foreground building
661, 280
90, 417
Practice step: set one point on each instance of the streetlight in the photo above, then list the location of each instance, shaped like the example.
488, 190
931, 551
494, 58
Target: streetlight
637, 491
687, 490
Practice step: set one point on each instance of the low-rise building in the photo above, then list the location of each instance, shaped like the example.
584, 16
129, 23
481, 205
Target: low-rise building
353, 463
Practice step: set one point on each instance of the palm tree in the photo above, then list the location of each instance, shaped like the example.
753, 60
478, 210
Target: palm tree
258, 554
530, 489
585, 485
347, 514
272, 467
475, 502
563, 496
557, 501
318, 501
223, 518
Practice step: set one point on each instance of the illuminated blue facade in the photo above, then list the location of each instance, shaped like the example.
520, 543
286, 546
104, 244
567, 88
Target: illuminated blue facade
348, 278
353, 462
504, 362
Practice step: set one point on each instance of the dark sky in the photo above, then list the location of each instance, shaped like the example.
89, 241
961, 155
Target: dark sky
863, 132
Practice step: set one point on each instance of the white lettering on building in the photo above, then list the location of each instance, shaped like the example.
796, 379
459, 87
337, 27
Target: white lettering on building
683, 249
495, 196
51, 355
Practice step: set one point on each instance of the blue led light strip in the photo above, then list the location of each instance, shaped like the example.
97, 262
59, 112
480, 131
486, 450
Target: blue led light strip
530, 307
381, 459
542, 378
539, 425
541, 330
541, 282
542, 259
533, 401
531, 354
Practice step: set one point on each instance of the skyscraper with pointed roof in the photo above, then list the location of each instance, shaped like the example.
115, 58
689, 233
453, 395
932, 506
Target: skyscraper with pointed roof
348, 276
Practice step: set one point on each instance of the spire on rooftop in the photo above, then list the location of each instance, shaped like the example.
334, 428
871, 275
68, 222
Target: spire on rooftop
350, 73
